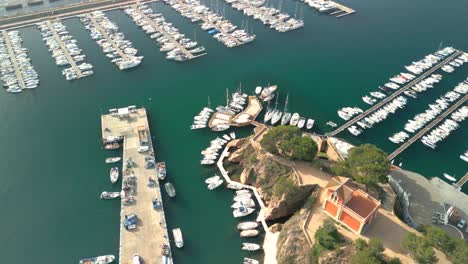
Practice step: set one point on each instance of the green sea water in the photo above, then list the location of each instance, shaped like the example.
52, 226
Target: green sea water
53, 166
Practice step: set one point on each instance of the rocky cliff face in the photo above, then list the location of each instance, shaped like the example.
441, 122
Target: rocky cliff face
287, 204
292, 243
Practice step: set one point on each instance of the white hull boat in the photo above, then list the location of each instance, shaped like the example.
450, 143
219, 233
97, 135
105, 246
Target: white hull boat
113, 160
247, 225
114, 174
109, 195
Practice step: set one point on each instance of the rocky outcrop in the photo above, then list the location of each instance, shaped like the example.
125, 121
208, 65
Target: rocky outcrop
339, 256
245, 175
292, 244
289, 203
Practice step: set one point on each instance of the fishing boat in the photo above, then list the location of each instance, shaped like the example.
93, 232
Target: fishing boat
98, 260
247, 225
113, 160
109, 195
242, 211
301, 122
250, 261
111, 146
249, 233
310, 123
114, 174
170, 189
449, 177
179, 241
250, 246
161, 170
294, 119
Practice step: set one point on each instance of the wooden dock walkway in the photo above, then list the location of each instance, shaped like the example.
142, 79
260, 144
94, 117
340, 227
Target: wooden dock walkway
344, 10
107, 37
65, 50
151, 231
428, 127
165, 34
461, 182
12, 55
394, 95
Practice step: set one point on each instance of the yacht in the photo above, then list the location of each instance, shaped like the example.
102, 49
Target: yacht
113, 160
268, 93
170, 189
310, 123
250, 246
242, 211
109, 195
294, 119
98, 260
178, 239
114, 174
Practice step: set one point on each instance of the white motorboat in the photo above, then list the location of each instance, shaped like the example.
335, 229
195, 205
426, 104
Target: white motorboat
268, 115
247, 202
233, 135
310, 123
449, 177
113, 160
464, 156
247, 225
179, 241
250, 261
242, 211
250, 246
331, 124
170, 189
235, 186
240, 192
268, 93
249, 233
114, 174
258, 89
219, 128
212, 179
98, 260
215, 184
109, 195
241, 197
301, 122
294, 119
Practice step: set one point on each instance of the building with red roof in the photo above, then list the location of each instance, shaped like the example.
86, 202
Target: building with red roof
349, 205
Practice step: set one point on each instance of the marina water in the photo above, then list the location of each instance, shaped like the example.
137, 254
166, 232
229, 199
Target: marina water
53, 166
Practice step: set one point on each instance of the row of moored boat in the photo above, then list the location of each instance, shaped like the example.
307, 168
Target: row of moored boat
16, 70
64, 50
270, 16
113, 43
177, 45
221, 29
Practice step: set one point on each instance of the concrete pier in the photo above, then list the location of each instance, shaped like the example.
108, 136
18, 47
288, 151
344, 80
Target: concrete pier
12, 55
151, 231
459, 184
428, 127
395, 94
65, 50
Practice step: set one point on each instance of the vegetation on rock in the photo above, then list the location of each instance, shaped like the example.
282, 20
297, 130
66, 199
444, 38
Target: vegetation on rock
420, 249
370, 253
366, 163
456, 249
292, 243
289, 142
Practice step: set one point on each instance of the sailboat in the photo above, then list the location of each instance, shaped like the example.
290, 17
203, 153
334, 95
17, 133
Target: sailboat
268, 114
286, 115
277, 113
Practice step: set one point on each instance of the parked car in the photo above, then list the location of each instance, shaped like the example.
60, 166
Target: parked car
461, 223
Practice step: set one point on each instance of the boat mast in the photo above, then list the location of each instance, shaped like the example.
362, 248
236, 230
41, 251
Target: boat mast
276, 104
227, 96
209, 103
286, 103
